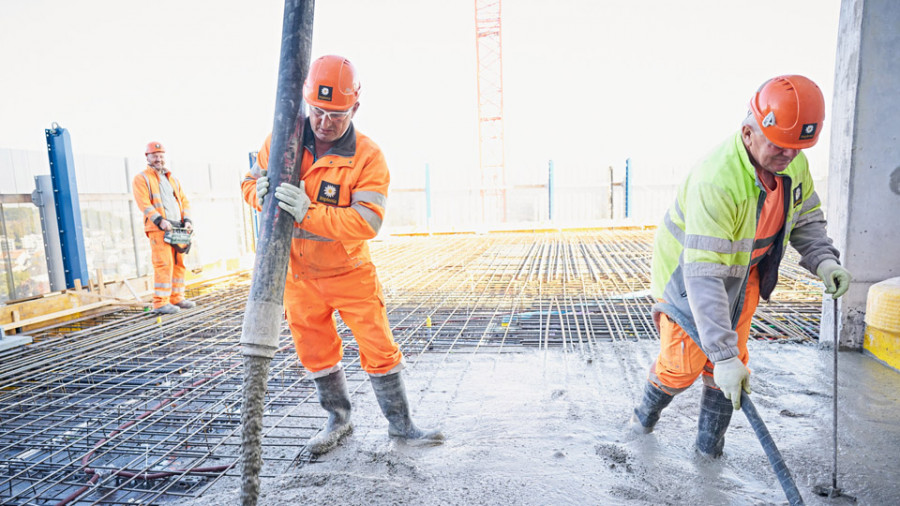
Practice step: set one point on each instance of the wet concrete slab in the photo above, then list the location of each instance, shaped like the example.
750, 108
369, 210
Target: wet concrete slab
533, 426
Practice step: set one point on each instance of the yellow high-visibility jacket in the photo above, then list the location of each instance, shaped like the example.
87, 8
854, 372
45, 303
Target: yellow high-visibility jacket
702, 250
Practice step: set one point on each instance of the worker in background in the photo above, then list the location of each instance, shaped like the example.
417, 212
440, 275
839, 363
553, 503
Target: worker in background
338, 206
159, 197
718, 251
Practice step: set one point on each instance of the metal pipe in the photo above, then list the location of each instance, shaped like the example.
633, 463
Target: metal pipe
262, 319
772, 453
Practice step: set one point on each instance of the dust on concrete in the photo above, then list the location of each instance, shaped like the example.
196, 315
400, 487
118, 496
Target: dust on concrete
529, 426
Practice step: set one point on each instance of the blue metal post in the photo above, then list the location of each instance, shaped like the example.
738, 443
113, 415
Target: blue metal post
68, 207
550, 190
627, 187
427, 196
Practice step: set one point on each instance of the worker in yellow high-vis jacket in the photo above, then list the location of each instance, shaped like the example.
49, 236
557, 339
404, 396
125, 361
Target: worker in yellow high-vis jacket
719, 247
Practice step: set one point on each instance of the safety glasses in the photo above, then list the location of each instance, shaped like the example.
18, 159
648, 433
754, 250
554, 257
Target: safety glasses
334, 116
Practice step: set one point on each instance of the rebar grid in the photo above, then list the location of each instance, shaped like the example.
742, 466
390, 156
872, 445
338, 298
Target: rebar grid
140, 409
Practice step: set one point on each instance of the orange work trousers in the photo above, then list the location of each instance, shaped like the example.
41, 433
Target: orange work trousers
309, 307
168, 271
681, 361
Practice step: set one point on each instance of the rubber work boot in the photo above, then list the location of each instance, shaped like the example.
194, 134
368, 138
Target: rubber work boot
167, 309
391, 395
186, 304
715, 415
335, 399
647, 413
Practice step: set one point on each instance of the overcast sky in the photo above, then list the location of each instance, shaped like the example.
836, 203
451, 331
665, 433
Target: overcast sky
586, 83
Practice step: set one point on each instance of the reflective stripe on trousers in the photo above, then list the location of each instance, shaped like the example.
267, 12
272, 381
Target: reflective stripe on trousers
168, 271
310, 304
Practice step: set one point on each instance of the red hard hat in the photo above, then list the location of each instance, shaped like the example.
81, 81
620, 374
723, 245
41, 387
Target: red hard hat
154, 147
789, 110
332, 83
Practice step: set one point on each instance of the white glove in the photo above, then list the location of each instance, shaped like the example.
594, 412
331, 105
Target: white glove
293, 200
836, 278
731, 375
262, 188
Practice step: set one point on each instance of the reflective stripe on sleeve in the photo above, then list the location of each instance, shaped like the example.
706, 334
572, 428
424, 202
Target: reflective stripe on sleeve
810, 217
369, 215
371, 197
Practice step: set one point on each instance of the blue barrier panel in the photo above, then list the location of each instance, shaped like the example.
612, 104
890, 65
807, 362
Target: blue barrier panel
68, 208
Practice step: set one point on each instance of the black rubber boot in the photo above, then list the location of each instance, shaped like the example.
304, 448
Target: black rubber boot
335, 399
391, 395
647, 413
715, 415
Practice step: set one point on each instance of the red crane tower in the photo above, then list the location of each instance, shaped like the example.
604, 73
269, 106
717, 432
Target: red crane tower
489, 50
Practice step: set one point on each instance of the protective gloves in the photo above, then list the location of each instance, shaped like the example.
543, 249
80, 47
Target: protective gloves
731, 375
836, 278
293, 200
262, 188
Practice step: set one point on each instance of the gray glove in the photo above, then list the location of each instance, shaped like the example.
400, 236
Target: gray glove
836, 278
293, 200
262, 188
731, 376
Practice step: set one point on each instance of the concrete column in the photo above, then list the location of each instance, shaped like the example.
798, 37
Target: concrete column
864, 175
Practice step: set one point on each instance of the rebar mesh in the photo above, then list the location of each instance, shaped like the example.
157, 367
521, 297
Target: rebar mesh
130, 408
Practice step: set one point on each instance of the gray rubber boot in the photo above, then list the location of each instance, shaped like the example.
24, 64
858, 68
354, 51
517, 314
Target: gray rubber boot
647, 413
391, 395
715, 415
167, 309
335, 399
186, 304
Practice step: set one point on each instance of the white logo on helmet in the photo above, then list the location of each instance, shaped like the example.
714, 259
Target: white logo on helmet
810, 128
324, 90
769, 120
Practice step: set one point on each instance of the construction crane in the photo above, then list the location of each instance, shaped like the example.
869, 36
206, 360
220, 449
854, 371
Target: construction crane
489, 50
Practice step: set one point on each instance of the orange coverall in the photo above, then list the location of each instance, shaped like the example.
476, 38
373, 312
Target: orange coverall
168, 264
330, 267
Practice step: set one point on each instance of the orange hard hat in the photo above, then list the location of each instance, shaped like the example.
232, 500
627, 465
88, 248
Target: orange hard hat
154, 147
789, 110
332, 84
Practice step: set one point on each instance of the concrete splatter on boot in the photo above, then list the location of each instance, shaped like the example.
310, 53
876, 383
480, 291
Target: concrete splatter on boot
391, 395
647, 413
715, 415
335, 399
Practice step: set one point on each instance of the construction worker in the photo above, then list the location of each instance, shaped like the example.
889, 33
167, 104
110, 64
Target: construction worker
159, 197
718, 251
338, 206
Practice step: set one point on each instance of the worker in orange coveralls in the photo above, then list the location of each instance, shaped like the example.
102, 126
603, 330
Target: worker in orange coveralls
160, 198
719, 249
338, 206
